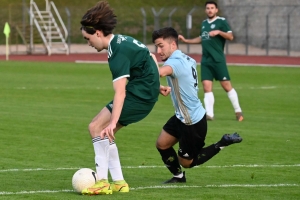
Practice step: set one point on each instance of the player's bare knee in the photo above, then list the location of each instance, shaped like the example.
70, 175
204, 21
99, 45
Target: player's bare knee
185, 163
92, 128
160, 146
226, 85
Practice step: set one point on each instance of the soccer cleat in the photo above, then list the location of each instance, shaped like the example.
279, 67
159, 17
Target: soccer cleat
209, 118
101, 187
176, 179
239, 116
228, 139
119, 187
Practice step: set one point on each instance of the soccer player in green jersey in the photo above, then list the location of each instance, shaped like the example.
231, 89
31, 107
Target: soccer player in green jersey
136, 84
213, 35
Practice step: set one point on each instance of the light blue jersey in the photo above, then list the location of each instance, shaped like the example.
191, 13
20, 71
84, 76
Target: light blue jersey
184, 88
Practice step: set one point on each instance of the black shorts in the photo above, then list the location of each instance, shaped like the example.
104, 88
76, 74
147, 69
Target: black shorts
191, 137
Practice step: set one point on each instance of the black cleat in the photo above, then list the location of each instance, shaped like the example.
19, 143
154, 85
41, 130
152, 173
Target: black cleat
177, 180
228, 139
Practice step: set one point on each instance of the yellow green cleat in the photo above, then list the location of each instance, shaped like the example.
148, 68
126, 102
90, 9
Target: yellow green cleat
101, 187
119, 186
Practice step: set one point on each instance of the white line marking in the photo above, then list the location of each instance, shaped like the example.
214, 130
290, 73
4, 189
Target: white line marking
262, 65
268, 87
97, 88
39, 169
234, 64
35, 192
215, 186
154, 166
163, 187
91, 62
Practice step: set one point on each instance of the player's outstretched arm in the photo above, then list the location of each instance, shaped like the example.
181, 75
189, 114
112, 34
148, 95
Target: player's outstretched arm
225, 35
196, 40
119, 97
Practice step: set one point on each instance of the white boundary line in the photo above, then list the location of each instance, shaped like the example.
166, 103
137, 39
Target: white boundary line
261, 65
91, 62
235, 64
154, 166
164, 187
215, 186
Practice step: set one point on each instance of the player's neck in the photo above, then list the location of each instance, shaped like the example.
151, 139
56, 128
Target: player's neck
212, 19
109, 38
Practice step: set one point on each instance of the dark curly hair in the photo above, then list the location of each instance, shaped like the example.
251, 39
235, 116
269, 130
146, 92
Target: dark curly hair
100, 17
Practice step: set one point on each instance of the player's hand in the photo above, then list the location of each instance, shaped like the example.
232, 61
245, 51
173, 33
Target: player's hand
180, 37
165, 90
214, 33
109, 132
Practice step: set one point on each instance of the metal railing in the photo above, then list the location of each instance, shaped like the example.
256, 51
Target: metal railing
46, 25
258, 30
52, 5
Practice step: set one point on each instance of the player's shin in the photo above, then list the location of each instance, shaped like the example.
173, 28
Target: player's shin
114, 164
205, 154
209, 101
101, 147
170, 160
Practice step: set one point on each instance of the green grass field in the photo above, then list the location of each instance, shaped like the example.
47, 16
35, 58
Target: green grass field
45, 109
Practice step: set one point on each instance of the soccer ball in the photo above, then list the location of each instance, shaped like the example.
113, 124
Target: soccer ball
84, 178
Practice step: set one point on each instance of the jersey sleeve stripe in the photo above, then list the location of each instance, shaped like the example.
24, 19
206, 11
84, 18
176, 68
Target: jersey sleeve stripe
124, 76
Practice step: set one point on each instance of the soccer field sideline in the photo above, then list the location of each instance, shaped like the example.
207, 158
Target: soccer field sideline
163, 187
155, 166
228, 64
160, 186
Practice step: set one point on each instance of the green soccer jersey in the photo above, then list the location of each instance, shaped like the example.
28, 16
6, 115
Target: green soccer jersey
213, 47
129, 58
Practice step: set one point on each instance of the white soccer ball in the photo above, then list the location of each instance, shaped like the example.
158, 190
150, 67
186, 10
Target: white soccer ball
84, 178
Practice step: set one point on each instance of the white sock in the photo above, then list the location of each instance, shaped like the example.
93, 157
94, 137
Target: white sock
232, 95
114, 164
179, 175
209, 101
101, 148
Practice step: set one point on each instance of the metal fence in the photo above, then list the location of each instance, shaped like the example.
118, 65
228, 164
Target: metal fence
273, 29
258, 30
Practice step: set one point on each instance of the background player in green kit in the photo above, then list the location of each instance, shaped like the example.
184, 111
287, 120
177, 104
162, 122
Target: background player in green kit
213, 35
136, 84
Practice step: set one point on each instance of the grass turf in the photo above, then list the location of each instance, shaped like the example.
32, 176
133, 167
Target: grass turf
45, 109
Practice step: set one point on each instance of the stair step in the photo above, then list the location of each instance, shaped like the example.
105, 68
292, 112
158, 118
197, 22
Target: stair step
45, 21
59, 49
41, 11
54, 37
51, 31
51, 34
44, 16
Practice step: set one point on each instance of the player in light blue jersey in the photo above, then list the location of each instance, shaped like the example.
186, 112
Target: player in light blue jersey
188, 126
188, 108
